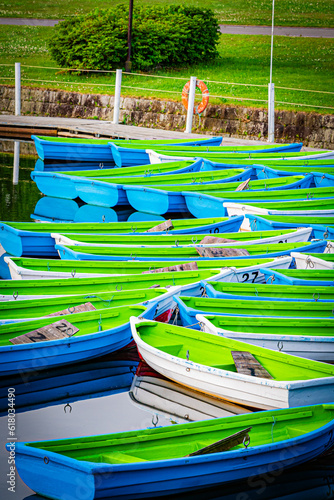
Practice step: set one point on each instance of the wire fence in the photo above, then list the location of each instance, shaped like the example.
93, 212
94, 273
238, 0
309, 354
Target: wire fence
78, 75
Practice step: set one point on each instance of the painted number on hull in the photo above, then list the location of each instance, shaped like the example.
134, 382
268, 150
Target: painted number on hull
250, 276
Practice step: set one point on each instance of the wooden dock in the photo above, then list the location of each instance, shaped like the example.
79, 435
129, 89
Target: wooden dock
22, 127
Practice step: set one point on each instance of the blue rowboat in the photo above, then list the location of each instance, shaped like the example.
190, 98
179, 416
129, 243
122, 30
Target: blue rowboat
275, 278
73, 253
126, 157
194, 200
20, 239
320, 231
122, 465
96, 150
100, 332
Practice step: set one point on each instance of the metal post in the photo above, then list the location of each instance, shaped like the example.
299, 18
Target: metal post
271, 112
128, 62
271, 91
117, 101
16, 162
191, 103
17, 89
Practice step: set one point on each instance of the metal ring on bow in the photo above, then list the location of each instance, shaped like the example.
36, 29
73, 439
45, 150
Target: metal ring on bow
194, 239
119, 289
73, 273
71, 309
177, 243
15, 295
316, 299
155, 421
68, 405
279, 345
246, 441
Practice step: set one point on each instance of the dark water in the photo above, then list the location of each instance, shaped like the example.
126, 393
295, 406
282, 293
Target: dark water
93, 397
17, 202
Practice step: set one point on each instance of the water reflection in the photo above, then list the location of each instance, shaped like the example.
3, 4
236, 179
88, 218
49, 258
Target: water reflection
16, 201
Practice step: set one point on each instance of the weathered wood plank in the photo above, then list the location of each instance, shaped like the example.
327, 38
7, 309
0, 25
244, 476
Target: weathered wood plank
188, 266
246, 363
54, 331
224, 444
88, 306
208, 239
220, 251
164, 226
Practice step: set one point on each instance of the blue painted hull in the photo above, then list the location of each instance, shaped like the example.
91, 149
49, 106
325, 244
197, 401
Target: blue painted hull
69, 254
30, 357
258, 223
100, 193
323, 180
55, 184
20, 243
66, 151
57, 476
275, 278
21, 358
130, 157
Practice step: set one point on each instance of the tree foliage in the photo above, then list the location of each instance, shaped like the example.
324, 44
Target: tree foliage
161, 37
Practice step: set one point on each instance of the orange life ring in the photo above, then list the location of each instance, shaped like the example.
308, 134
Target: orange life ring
205, 96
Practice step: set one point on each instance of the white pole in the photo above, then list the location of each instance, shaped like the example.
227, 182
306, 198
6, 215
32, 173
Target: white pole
191, 103
271, 94
17, 89
271, 112
16, 162
117, 102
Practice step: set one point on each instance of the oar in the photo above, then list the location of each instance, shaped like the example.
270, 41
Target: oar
224, 444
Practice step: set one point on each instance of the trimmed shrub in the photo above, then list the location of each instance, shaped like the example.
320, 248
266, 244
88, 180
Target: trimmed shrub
161, 36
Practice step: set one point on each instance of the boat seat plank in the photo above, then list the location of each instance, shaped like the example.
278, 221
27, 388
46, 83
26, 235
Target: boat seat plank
247, 364
223, 444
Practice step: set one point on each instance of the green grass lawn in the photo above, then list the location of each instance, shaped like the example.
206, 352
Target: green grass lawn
303, 63
318, 13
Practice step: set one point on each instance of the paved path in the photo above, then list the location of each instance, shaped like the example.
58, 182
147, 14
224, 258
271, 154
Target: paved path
224, 28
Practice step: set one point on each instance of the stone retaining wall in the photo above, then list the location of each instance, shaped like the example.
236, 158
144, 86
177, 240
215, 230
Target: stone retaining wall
313, 129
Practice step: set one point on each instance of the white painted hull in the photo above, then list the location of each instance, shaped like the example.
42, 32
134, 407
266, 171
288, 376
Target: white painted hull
22, 273
304, 261
238, 388
294, 236
159, 158
310, 347
239, 209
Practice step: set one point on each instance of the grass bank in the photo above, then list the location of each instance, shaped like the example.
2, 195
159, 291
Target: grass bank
251, 12
300, 63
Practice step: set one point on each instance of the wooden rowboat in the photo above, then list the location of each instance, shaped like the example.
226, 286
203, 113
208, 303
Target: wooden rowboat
122, 465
